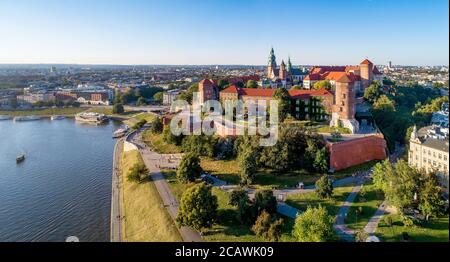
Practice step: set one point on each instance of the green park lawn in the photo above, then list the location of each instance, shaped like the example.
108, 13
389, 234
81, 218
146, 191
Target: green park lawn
66, 111
228, 170
436, 230
227, 228
328, 129
302, 201
156, 142
368, 199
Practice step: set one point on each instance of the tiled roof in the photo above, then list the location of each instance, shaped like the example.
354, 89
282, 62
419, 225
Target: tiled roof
366, 62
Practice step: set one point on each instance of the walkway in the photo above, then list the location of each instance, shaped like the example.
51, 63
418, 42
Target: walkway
116, 224
153, 161
375, 219
340, 227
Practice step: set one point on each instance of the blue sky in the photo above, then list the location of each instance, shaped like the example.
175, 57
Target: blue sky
414, 32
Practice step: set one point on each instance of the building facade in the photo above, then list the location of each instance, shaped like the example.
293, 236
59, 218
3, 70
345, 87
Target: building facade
429, 152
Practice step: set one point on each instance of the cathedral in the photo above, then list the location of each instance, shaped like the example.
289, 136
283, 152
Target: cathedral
283, 76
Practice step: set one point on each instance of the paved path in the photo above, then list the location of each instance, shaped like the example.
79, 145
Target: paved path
116, 224
375, 219
341, 229
153, 161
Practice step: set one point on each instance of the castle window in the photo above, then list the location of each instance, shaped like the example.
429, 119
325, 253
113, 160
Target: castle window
343, 96
445, 157
440, 156
341, 109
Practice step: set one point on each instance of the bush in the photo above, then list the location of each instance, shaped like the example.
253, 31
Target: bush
157, 125
267, 227
118, 109
361, 236
265, 200
139, 124
324, 187
138, 173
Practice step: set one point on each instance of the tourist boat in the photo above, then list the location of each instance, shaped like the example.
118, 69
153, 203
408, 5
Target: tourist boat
123, 130
5, 117
20, 158
27, 118
91, 117
57, 117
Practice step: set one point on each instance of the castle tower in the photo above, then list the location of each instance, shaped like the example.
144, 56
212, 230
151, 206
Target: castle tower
366, 73
206, 90
271, 64
344, 108
282, 73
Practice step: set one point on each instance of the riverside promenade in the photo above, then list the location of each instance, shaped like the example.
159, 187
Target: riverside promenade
116, 216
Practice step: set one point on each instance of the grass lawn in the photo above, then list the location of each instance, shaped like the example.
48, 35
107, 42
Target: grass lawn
134, 119
157, 143
329, 129
302, 201
227, 228
228, 170
437, 230
369, 199
69, 111
145, 217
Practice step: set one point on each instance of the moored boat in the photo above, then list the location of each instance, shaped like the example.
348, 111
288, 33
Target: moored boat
123, 130
91, 117
27, 118
57, 117
5, 117
20, 158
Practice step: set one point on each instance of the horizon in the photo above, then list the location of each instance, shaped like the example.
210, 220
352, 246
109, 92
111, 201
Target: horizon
141, 33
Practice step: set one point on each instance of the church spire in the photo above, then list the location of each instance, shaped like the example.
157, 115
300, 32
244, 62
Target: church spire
272, 59
289, 65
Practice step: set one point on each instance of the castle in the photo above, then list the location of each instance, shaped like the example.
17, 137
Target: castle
284, 76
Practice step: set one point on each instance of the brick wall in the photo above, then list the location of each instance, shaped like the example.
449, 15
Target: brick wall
357, 151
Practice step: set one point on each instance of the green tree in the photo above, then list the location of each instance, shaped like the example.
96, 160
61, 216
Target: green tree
117, 97
267, 227
265, 200
170, 138
322, 84
248, 166
384, 104
251, 84
222, 83
314, 225
138, 173
245, 209
157, 125
198, 207
189, 168
431, 203
118, 109
372, 92
324, 187
201, 145
284, 103
158, 97
141, 101
321, 160
296, 87
361, 236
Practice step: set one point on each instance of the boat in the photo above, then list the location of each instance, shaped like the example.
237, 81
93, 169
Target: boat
91, 117
5, 117
123, 130
57, 117
20, 158
27, 118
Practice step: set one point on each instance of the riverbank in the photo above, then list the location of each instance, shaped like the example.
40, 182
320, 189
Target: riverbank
144, 216
116, 216
47, 112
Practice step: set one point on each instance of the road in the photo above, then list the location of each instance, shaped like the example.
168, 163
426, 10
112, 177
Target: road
153, 162
116, 224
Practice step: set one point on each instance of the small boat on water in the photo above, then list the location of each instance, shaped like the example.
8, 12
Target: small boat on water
20, 158
5, 117
91, 117
57, 117
123, 130
27, 118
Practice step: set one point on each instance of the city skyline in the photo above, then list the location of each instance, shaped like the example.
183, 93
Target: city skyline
223, 32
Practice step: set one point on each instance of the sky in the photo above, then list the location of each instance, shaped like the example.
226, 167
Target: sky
209, 32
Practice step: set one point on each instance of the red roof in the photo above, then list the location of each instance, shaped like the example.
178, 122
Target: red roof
366, 62
268, 92
206, 82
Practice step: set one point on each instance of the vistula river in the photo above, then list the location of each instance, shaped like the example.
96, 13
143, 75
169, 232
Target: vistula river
63, 188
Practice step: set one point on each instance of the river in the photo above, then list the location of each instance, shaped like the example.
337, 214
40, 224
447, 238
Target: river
63, 188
